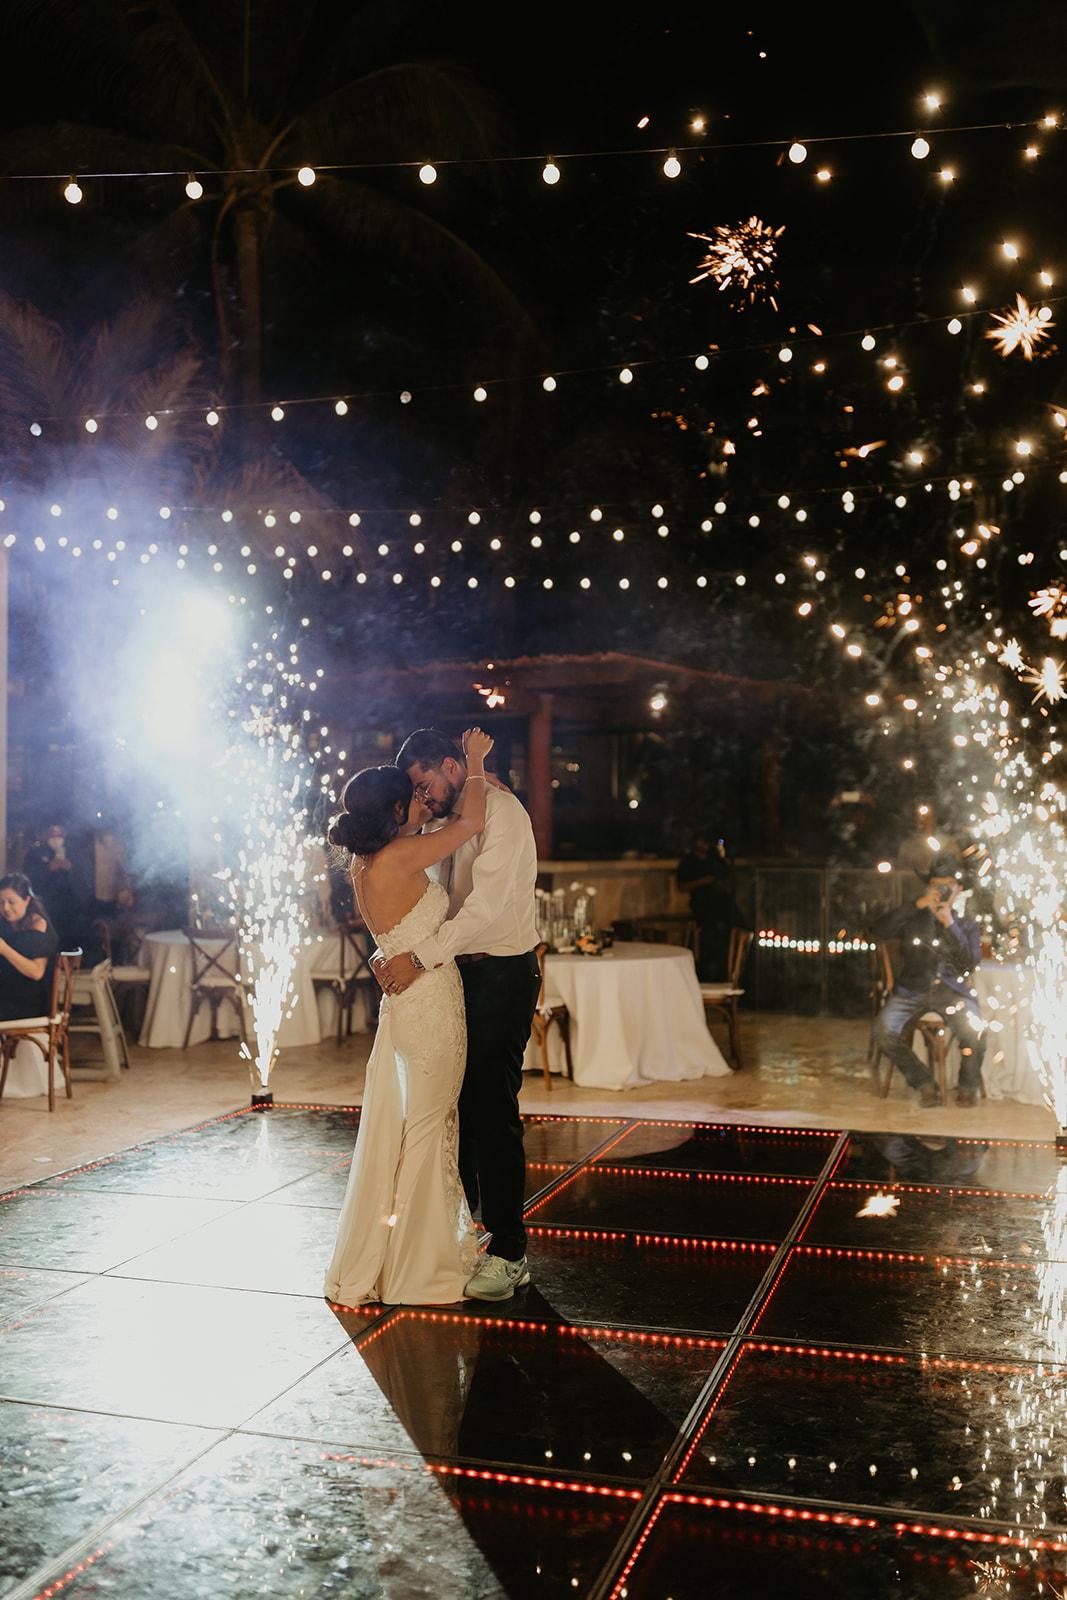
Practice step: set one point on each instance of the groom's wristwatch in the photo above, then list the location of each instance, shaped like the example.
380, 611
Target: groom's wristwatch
415, 962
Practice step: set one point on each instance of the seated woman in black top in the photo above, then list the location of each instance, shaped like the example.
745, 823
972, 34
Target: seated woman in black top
28, 945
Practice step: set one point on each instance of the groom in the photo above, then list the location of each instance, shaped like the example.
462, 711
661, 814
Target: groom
491, 933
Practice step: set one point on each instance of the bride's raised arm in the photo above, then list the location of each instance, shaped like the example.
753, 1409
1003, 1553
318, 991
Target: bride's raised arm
416, 851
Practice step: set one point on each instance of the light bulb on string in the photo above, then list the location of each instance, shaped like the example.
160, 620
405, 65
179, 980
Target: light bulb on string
306, 177
955, 326
212, 419
481, 394
427, 173
277, 413
1010, 250
797, 152
341, 408
550, 174
548, 384
626, 376
920, 147
946, 175
672, 166
72, 194
193, 187
151, 423
90, 424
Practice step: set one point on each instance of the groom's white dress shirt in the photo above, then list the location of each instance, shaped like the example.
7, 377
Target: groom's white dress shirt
490, 881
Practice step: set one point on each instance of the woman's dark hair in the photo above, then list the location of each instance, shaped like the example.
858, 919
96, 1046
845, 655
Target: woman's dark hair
24, 889
368, 820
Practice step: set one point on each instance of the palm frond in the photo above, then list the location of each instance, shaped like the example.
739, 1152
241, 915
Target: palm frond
407, 110
380, 224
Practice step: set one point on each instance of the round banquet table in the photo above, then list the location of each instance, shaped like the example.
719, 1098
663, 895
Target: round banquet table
166, 1016
636, 1016
1004, 994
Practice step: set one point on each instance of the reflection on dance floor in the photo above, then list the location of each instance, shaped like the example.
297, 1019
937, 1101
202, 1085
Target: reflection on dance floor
750, 1361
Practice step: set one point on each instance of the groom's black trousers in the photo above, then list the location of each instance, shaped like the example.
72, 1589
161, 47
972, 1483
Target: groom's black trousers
500, 995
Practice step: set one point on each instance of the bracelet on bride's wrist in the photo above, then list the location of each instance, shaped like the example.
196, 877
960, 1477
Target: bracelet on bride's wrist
472, 776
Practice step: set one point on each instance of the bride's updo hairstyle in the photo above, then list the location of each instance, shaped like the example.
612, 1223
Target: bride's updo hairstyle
368, 819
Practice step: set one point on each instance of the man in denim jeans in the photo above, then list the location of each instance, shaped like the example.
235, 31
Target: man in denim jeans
938, 951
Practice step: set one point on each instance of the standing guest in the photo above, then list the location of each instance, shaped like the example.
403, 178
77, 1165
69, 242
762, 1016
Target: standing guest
704, 873
27, 948
491, 934
65, 904
938, 951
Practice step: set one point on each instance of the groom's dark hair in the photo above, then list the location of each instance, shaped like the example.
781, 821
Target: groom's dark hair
427, 748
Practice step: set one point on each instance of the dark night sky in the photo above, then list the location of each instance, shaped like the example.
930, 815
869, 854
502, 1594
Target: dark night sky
601, 266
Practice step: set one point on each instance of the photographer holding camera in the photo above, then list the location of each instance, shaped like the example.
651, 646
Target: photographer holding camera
938, 951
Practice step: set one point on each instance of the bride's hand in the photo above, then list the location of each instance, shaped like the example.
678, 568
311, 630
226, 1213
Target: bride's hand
476, 743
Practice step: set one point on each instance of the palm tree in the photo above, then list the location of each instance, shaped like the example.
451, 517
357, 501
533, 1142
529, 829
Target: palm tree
72, 411
243, 93
72, 427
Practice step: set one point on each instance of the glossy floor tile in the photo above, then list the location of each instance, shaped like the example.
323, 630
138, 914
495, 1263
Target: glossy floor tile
726, 1549
687, 1203
723, 1380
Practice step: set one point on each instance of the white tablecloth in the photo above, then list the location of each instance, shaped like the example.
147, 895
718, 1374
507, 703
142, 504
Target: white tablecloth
1004, 994
166, 1017
636, 1015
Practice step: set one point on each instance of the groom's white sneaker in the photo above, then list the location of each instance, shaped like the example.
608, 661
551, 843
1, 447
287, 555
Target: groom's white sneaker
498, 1279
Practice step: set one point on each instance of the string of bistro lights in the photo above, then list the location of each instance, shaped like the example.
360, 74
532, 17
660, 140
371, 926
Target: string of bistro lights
796, 149
1030, 328
954, 323
450, 569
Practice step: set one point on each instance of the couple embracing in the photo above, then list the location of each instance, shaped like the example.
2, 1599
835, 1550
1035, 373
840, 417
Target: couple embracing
443, 868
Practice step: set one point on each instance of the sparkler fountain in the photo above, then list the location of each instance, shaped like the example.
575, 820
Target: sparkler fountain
237, 760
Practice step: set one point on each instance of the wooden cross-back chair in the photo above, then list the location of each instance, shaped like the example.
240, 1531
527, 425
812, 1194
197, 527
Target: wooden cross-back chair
347, 971
212, 982
723, 997
543, 1019
669, 929
48, 1034
127, 977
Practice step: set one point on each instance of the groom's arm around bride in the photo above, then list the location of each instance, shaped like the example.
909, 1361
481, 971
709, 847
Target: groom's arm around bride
491, 934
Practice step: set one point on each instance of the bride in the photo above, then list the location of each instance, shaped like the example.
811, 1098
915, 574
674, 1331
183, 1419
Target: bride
405, 1235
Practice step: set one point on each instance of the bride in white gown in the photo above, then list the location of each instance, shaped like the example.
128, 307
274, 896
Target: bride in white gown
405, 1236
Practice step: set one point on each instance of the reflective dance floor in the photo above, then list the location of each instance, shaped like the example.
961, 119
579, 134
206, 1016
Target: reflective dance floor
752, 1361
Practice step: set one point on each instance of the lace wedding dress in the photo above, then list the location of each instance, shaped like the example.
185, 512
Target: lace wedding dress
405, 1235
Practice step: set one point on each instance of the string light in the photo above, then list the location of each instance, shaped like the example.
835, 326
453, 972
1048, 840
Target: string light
193, 187
306, 177
72, 194
672, 166
427, 173
550, 172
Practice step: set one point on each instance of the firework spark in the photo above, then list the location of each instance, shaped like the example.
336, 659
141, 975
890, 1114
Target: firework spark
1048, 680
1011, 656
741, 259
1052, 603
1020, 329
